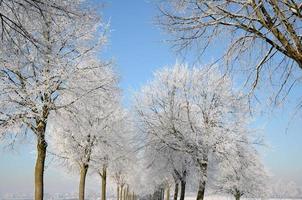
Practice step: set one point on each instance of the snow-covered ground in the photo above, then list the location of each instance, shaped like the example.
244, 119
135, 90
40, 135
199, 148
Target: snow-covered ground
209, 197
220, 197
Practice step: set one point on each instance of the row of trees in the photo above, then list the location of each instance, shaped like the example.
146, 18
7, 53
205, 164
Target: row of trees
194, 128
284, 189
261, 41
261, 44
54, 86
197, 127
195, 124
52, 82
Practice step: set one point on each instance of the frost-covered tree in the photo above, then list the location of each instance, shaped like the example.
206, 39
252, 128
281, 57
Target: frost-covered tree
181, 165
241, 173
33, 81
81, 130
167, 166
261, 38
284, 189
125, 173
157, 166
195, 111
119, 177
113, 147
124, 166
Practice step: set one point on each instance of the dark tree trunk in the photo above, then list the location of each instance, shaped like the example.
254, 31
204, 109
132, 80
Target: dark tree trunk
118, 192
182, 189
237, 194
201, 190
202, 183
176, 191
162, 193
158, 194
104, 177
183, 181
40, 161
83, 174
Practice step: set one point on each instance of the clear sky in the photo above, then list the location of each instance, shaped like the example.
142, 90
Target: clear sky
136, 45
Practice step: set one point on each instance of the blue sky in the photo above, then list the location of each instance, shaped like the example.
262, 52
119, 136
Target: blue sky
136, 46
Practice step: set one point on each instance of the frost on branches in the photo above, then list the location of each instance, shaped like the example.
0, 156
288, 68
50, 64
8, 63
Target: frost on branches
34, 81
262, 43
16, 15
242, 173
86, 134
166, 167
194, 111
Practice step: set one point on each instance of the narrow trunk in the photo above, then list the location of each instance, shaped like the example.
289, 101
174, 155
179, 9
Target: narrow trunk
201, 190
182, 189
124, 193
157, 194
40, 161
237, 194
202, 182
127, 193
118, 192
121, 191
176, 191
104, 176
130, 196
162, 193
83, 173
168, 193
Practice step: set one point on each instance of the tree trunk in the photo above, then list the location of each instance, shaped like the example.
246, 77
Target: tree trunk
83, 173
121, 192
130, 196
118, 192
124, 193
201, 190
176, 191
162, 193
182, 189
202, 182
237, 194
104, 176
40, 161
127, 193
168, 193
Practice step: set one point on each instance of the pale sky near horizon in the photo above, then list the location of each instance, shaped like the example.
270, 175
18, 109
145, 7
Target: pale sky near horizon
136, 45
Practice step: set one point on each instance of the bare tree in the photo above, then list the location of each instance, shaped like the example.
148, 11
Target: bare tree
262, 37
